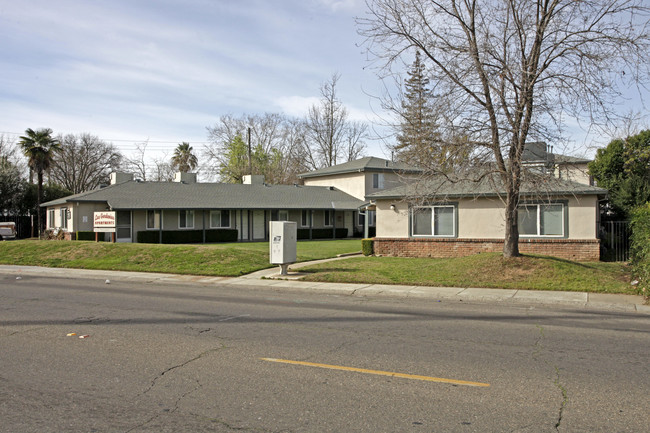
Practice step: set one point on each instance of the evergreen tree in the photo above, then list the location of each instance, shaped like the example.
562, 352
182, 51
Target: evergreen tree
418, 139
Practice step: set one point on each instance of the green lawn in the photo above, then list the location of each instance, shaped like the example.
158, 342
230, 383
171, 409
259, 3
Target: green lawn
481, 270
231, 259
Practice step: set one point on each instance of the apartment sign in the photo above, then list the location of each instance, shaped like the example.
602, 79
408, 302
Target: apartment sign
104, 222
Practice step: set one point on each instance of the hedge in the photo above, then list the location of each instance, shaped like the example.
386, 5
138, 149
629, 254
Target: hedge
640, 248
187, 236
322, 233
367, 247
87, 236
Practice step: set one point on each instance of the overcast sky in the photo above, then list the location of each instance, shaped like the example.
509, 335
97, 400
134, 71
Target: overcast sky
164, 70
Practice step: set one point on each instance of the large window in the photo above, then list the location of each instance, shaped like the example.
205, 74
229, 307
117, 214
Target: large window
219, 219
434, 221
541, 219
186, 219
153, 219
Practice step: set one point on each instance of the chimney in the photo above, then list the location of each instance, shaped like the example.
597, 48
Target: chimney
185, 177
120, 177
253, 179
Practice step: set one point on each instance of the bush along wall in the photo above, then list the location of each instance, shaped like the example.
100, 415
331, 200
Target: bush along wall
187, 236
322, 233
367, 247
640, 248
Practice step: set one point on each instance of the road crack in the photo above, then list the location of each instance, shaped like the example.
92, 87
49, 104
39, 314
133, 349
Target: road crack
181, 365
539, 349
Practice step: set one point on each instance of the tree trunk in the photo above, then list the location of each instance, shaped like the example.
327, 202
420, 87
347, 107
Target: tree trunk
511, 241
39, 195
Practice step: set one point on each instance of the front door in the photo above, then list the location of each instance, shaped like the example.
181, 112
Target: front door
123, 226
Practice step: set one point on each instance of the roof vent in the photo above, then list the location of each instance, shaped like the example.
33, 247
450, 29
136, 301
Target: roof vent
331, 188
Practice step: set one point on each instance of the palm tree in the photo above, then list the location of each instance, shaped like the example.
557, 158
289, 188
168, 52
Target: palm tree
39, 148
184, 160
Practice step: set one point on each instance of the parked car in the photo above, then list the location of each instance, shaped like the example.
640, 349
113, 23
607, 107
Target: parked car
7, 231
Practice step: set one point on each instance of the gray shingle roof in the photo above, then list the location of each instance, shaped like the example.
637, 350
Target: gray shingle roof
176, 195
369, 163
440, 187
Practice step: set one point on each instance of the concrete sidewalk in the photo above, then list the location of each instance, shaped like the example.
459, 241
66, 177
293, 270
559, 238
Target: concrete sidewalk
271, 278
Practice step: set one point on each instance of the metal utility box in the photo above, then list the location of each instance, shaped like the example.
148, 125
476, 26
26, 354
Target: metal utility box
283, 243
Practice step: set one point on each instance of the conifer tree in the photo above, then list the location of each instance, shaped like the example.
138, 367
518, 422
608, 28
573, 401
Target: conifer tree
418, 139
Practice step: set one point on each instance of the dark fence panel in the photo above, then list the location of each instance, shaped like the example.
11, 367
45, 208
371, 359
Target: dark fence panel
615, 241
23, 225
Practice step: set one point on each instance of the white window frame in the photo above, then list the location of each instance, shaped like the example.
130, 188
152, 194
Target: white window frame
188, 212
305, 218
220, 219
63, 214
328, 214
51, 213
160, 219
538, 211
454, 220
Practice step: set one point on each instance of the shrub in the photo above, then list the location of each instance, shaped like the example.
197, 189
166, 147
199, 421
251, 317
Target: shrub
640, 248
187, 236
88, 236
322, 233
367, 247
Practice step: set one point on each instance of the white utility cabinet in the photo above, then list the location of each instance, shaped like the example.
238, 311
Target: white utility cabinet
283, 243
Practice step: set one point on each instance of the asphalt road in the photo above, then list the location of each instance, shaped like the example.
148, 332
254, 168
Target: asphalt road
188, 357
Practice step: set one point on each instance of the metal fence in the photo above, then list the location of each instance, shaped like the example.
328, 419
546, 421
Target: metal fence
615, 241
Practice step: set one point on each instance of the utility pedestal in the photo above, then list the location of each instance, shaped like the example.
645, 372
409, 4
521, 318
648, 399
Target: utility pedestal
283, 244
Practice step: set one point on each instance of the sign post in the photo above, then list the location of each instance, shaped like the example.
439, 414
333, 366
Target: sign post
104, 222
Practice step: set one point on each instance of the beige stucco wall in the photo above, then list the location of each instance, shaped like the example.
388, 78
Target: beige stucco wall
358, 185
392, 223
350, 183
575, 172
484, 218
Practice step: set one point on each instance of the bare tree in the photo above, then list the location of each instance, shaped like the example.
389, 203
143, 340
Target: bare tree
332, 137
136, 163
277, 147
511, 71
84, 162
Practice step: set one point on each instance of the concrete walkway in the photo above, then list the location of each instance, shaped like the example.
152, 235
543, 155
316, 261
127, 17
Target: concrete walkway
271, 278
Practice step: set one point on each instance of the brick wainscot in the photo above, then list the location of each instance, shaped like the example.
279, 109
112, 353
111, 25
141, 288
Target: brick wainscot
578, 249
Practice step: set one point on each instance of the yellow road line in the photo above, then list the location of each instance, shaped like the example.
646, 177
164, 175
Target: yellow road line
378, 372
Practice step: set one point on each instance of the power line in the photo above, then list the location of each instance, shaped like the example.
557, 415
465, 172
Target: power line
136, 141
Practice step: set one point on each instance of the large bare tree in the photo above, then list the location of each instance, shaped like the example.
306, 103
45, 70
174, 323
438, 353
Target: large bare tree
277, 147
84, 162
332, 137
512, 71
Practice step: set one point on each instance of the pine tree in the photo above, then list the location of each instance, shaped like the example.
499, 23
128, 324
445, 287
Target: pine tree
418, 139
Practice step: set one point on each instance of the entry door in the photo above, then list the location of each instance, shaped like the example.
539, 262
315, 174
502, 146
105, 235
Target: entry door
123, 226
258, 225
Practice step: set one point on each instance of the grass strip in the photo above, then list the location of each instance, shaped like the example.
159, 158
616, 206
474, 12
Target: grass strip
489, 270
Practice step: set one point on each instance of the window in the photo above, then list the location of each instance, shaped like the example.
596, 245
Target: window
50, 218
378, 180
279, 215
541, 219
305, 218
434, 221
329, 218
63, 213
186, 219
219, 219
153, 219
